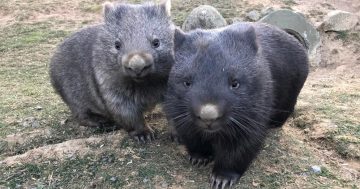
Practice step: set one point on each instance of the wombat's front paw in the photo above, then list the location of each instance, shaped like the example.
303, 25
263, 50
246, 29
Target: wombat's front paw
199, 160
223, 179
175, 137
143, 136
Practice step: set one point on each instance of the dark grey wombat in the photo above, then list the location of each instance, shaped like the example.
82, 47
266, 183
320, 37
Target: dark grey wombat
109, 74
227, 88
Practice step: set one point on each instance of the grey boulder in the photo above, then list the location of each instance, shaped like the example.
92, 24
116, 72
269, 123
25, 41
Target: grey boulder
338, 20
253, 15
297, 25
204, 17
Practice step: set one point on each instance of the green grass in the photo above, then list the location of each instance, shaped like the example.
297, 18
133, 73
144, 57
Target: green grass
348, 125
347, 36
91, 7
21, 37
25, 50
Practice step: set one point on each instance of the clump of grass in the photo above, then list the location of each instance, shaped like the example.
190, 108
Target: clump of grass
289, 2
21, 36
342, 35
326, 173
92, 7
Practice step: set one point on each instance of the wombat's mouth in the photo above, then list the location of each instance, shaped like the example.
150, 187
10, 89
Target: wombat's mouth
139, 79
211, 130
209, 127
137, 65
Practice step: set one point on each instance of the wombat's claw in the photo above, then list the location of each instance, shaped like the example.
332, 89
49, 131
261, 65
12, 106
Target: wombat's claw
175, 138
144, 137
222, 182
199, 162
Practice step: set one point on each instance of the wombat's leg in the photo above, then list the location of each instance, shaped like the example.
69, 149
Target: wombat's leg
142, 133
282, 110
200, 150
279, 117
129, 116
173, 135
132, 120
231, 162
95, 120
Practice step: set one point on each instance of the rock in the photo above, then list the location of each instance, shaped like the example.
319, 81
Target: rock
113, 179
334, 51
205, 17
164, 185
299, 27
30, 122
253, 15
307, 130
64, 121
316, 169
236, 19
267, 10
38, 108
338, 20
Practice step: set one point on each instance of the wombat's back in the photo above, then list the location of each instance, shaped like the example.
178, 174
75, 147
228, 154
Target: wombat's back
289, 66
71, 69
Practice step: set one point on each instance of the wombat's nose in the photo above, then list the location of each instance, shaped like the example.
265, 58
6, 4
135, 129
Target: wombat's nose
209, 113
138, 65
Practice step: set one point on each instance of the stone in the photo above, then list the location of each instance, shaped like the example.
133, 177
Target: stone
164, 185
236, 19
30, 122
297, 25
316, 169
113, 179
38, 108
253, 15
338, 20
267, 10
204, 17
64, 121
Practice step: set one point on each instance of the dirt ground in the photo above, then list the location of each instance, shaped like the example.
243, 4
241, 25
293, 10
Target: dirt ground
41, 147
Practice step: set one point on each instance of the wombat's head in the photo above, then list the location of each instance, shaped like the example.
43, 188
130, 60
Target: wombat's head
216, 84
140, 37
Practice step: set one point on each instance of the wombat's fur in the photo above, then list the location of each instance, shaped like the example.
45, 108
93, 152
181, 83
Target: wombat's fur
109, 74
227, 88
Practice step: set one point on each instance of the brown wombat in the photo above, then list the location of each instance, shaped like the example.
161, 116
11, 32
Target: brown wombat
227, 88
109, 74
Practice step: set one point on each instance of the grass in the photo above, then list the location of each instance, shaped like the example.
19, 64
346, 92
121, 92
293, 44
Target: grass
289, 2
25, 50
115, 161
347, 36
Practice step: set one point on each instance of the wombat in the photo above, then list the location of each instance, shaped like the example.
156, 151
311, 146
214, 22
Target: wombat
228, 86
109, 74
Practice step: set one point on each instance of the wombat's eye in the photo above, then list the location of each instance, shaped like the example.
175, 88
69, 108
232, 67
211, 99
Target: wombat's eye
187, 84
235, 84
117, 45
155, 43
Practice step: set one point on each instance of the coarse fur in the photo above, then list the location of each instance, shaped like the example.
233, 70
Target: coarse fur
228, 87
109, 74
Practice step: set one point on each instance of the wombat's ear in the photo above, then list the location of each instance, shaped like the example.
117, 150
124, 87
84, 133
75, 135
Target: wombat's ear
166, 6
245, 36
108, 11
179, 38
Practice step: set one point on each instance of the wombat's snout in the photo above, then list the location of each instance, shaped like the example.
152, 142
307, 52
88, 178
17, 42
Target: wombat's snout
208, 114
138, 65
